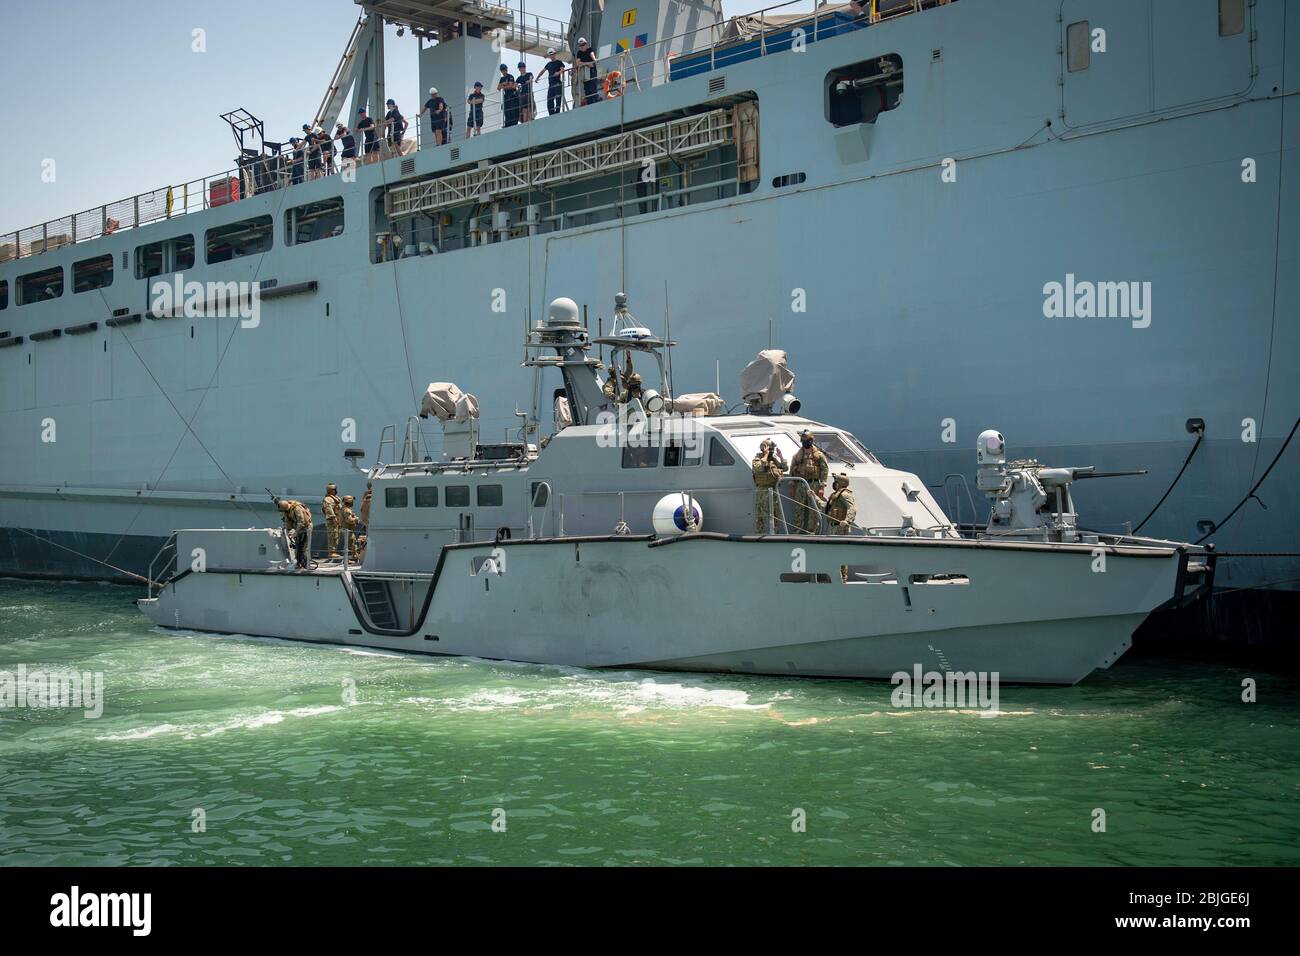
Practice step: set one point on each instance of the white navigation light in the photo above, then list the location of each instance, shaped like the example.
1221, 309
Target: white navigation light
652, 400
790, 405
676, 514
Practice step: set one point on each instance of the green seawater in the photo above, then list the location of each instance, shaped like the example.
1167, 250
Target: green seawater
304, 754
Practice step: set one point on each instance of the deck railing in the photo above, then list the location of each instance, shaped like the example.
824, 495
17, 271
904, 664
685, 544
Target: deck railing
686, 54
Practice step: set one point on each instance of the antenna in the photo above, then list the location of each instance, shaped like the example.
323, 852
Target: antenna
769, 333
717, 371
668, 337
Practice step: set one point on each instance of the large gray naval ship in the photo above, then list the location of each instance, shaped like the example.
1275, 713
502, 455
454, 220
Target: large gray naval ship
633, 536
1076, 219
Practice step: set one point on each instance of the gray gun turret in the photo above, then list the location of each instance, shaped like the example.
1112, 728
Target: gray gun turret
1029, 497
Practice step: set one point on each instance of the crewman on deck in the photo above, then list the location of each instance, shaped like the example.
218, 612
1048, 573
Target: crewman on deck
524, 91
439, 116
365, 504
349, 141
367, 126
474, 115
810, 464
769, 468
509, 97
297, 529
350, 521
841, 508
332, 506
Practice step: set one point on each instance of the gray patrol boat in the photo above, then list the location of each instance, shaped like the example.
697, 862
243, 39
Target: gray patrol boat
627, 539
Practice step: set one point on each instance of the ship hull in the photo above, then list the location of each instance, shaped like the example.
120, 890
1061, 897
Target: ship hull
1028, 613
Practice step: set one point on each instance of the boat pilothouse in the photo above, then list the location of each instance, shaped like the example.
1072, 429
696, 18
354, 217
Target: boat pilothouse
626, 538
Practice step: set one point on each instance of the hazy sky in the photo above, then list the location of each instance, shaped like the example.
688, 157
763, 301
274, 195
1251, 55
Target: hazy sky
112, 91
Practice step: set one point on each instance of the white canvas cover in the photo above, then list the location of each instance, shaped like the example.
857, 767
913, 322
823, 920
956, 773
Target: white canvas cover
696, 403
766, 379
448, 403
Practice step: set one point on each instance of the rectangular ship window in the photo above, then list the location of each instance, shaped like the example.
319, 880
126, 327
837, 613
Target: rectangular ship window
719, 456
860, 92
313, 221
246, 238
426, 496
458, 496
182, 253
89, 274
4, 293
490, 496
634, 457
149, 260
1232, 17
395, 497
40, 286
677, 454
1077, 40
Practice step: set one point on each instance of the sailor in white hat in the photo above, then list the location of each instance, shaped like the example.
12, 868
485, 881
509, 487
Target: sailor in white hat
439, 116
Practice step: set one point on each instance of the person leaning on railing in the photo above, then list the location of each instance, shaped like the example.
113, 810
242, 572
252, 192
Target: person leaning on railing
474, 112
440, 119
554, 70
586, 56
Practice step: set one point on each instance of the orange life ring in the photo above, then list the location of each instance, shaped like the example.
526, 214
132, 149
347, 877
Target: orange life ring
615, 88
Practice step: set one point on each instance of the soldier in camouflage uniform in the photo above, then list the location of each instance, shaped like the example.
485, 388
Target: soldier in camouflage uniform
349, 522
811, 465
365, 504
332, 506
297, 528
841, 509
768, 467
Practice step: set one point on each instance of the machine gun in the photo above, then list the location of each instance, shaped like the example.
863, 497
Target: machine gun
1029, 498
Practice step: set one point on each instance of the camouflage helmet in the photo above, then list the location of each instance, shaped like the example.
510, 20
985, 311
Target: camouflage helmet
634, 380
348, 499
282, 505
841, 480
331, 487
806, 434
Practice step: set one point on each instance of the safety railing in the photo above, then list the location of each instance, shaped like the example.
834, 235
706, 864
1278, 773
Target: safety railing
164, 554
619, 73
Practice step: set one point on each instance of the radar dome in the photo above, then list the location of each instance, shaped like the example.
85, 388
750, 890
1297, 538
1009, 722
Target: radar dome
563, 312
677, 514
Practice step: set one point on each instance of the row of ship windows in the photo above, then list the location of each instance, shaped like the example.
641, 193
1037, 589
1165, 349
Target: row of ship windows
306, 223
457, 496
492, 496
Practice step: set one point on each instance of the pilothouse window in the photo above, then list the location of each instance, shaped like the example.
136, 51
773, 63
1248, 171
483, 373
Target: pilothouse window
860, 92
395, 497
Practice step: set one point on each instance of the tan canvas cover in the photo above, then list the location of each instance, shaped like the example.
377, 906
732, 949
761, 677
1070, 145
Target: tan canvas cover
766, 379
448, 403
747, 26
696, 403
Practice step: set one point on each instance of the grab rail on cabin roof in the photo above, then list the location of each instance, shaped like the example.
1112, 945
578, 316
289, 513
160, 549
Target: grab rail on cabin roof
230, 185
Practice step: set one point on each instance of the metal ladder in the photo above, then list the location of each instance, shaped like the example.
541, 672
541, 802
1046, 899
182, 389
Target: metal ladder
378, 602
